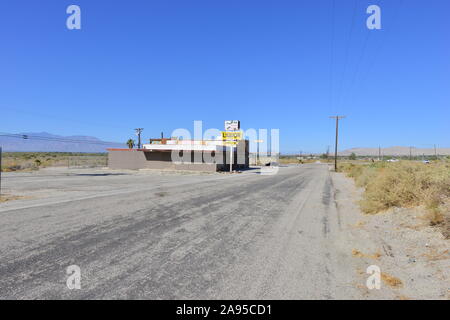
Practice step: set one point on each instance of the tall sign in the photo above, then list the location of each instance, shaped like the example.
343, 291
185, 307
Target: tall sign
232, 125
231, 136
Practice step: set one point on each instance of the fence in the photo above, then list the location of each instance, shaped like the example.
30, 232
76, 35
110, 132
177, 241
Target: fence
87, 161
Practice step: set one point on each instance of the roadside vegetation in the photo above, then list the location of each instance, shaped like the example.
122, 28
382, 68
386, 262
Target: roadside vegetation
28, 161
295, 159
404, 184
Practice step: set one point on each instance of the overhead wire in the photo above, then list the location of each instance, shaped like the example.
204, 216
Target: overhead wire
347, 48
333, 9
57, 139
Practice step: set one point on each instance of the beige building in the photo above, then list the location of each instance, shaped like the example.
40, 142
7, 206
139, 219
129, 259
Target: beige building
175, 154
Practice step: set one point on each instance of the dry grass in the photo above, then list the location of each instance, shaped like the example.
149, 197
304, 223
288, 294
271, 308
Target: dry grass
294, 160
435, 255
391, 281
28, 161
403, 184
358, 254
359, 224
9, 197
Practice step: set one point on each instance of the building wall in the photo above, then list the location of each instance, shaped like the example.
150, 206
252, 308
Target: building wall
126, 159
192, 160
137, 159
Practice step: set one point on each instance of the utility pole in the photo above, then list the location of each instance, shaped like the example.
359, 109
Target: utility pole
435, 153
269, 142
258, 141
0, 172
379, 153
337, 117
138, 133
257, 150
410, 153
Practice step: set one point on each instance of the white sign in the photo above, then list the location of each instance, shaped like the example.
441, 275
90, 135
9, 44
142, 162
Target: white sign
232, 125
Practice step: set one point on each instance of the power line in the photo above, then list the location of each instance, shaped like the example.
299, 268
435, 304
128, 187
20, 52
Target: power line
360, 60
62, 118
371, 62
332, 54
377, 52
35, 137
352, 26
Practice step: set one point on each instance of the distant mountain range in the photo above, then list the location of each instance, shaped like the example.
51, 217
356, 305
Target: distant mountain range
47, 142
395, 151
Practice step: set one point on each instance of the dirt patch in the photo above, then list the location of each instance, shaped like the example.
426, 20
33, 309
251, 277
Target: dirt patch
9, 197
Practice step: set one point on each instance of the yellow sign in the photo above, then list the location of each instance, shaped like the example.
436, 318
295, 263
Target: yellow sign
230, 143
231, 135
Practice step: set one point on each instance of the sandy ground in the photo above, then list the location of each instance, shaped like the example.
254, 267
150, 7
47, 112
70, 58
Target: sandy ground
150, 235
414, 257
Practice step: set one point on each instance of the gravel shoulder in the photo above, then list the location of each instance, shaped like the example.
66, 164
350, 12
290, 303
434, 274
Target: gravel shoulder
414, 257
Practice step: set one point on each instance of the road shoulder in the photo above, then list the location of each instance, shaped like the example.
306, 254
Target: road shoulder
413, 257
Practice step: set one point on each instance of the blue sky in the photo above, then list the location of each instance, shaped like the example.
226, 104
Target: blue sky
280, 64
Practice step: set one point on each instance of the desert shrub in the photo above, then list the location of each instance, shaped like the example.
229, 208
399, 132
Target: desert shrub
12, 167
16, 161
403, 184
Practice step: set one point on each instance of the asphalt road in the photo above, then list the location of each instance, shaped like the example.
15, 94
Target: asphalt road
174, 236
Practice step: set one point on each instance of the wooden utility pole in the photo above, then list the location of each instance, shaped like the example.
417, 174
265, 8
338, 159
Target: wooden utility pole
138, 133
337, 117
0, 172
258, 141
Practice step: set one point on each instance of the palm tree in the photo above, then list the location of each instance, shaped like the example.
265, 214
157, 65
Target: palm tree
130, 143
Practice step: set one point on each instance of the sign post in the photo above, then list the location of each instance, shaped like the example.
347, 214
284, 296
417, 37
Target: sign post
230, 136
231, 159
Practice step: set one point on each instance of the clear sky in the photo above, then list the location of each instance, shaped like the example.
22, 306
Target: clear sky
162, 64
